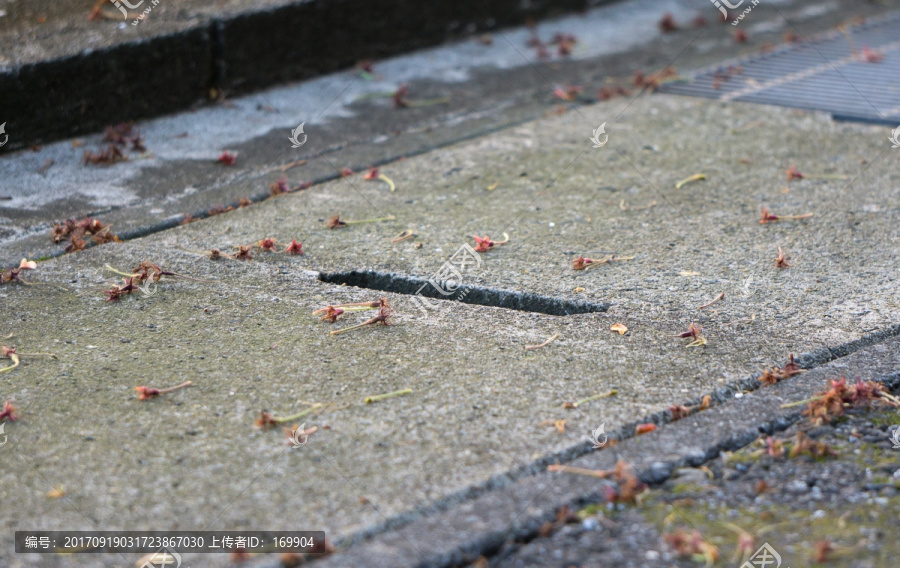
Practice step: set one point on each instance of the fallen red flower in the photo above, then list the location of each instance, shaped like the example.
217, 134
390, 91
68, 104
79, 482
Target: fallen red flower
227, 158
294, 247
9, 412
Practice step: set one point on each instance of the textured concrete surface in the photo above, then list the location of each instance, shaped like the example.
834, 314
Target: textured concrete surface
488, 86
516, 512
63, 74
482, 411
193, 458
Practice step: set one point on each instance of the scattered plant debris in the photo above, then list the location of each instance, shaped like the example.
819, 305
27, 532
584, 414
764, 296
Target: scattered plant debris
281, 186
740, 36
564, 42
793, 173
374, 175
692, 545
550, 340
366, 69
803, 445
678, 411
267, 420
268, 244
667, 24
871, 55
768, 217
694, 331
401, 99
378, 397
654, 80
598, 473
718, 298
644, 428
403, 235
590, 399
560, 425
146, 393
295, 432
384, 314
568, 93
628, 488
143, 272
831, 404
12, 276
331, 313
689, 179
781, 261
77, 230
121, 137
9, 412
337, 223
243, 252
775, 374
14, 356
294, 248
484, 244
621, 328
607, 93
582, 263
227, 158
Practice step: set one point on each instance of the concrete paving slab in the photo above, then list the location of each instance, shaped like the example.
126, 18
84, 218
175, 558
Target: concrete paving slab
559, 198
488, 86
516, 512
474, 418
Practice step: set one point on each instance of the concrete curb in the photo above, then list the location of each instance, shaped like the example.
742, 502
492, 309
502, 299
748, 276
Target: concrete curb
78, 94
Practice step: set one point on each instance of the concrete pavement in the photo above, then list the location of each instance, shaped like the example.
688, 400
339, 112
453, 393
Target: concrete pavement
483, 411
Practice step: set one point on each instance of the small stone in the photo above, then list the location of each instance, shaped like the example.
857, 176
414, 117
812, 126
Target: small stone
797, 486
853, 439
818, 514
651, 555
881, 501
590, 524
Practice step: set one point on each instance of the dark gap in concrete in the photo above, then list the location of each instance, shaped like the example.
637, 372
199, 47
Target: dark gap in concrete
478, 295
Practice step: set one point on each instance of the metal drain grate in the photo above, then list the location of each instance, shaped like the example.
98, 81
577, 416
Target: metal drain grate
830, 73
